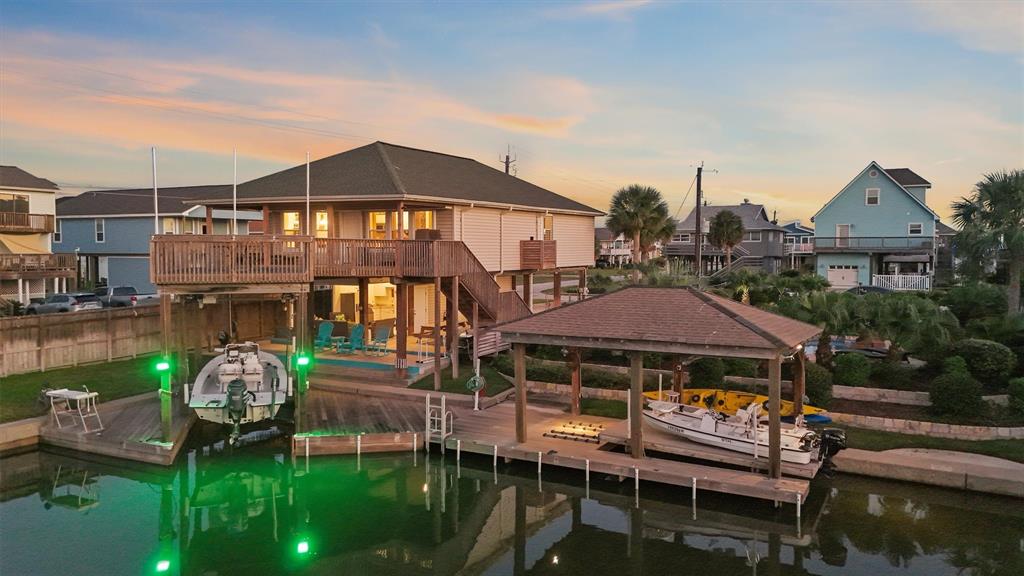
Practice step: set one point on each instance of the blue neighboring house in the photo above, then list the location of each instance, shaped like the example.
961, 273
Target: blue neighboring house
878, 231
798, 244
110, 230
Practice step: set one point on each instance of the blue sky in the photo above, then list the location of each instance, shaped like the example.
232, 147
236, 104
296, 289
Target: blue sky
787, 101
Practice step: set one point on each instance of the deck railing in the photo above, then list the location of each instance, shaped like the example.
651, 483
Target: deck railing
873, 243
209, 259
538, 254
799, 248
24, 222
36, 265
902, 282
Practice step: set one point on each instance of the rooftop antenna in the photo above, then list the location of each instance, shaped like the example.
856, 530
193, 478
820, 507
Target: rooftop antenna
508, 161
699, 223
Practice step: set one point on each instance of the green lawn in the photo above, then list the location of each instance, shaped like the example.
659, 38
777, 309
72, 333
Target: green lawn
495, 382
601, 407
112, 380
878, 440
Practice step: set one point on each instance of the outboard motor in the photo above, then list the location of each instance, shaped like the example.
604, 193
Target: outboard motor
832, 441
238, 401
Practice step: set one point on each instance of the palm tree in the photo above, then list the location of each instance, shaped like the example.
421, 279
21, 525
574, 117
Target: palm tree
831, 311
638, 212
992, 224
726, 231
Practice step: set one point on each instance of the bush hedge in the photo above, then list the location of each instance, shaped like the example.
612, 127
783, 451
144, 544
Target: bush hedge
817, 385
988, 361
891, 375
852, 370
955, 392
740, 367
707, 373
1015, 390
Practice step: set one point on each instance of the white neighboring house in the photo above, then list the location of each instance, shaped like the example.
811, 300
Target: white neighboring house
613, 250
28, 269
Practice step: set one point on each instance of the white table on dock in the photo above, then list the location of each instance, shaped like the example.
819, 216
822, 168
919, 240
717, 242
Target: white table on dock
84, 406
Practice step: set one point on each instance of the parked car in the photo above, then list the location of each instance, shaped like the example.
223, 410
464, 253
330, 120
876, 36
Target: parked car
862, 290
66, 302
124, 297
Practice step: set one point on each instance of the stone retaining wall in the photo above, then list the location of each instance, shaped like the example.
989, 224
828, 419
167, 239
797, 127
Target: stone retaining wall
936, 429
905, 397
566, 389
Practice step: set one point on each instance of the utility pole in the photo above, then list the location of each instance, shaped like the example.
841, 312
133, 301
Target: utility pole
698, 242
508, 161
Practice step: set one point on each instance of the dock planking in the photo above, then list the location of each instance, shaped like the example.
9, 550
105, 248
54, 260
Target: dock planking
131, 431
336, 419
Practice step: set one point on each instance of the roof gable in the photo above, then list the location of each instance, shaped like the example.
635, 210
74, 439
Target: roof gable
887, 175
754, 217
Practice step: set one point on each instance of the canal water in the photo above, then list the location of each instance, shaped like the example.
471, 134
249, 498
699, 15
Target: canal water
253, 512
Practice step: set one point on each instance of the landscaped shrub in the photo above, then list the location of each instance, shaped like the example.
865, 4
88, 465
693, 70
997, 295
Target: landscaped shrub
707, 373
955, 392
891, 375
975, 301
740, 367
852, 370
989, 362
1016, 392
817, 385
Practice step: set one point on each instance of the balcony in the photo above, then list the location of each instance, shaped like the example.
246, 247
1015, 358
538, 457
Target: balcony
874, 244
537, 254
799, 248
230, 260
14, 266
902, 282
25, 223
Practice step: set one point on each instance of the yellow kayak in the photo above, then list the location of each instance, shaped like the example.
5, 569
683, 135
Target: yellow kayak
729, 401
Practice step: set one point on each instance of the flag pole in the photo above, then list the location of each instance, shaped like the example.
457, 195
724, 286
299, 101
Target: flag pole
156, 203
308, 230
234, 191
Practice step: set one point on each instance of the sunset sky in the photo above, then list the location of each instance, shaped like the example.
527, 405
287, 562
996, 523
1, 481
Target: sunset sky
787, 101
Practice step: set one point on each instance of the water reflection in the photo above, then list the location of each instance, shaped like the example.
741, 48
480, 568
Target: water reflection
253, 512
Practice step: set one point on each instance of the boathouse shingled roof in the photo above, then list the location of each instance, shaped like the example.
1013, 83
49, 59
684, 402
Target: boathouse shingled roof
14, 177
389, 171
684, 317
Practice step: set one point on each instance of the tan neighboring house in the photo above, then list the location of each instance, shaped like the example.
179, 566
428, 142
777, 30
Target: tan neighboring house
28, 269
386, 220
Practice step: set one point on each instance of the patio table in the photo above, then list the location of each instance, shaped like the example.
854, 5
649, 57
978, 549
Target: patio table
71, 402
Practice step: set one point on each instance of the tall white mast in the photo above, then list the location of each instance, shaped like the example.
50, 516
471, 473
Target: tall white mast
308, 229
156, 202
234, 191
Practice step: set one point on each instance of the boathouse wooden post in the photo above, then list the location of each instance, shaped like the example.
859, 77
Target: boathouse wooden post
302, 343
401, 328
581, 287
364, 304
556, 291
453, 327
636, 388
528, 290
799, 382
774, 418
476, 334
574, 367
166, 329
437, 328
519, 371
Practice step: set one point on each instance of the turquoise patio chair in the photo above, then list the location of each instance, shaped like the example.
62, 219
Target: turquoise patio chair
324, 340
353, 342
379, 344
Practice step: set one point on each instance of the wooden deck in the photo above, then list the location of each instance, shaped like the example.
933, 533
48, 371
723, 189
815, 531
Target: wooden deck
131, 431
492, 432
339, 423
660, 441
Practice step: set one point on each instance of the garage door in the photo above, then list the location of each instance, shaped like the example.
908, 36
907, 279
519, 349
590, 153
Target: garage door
842, 277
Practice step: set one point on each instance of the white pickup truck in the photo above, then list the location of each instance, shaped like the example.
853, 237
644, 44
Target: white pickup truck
124, 297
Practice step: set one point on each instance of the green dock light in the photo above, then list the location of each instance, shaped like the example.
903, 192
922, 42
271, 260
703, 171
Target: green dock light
302, 360
163, 566
302, 547
163, 365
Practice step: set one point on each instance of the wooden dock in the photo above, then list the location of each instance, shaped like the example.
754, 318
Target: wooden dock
339, 423
656, 440
131, 431
492, 433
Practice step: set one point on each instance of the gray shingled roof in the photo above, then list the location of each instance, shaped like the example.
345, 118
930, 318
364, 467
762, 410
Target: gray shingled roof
391, 171
944, 229
906, 177
754, 217
172, 200
14, 177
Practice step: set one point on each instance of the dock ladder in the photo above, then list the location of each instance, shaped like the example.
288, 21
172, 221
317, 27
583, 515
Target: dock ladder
439, 420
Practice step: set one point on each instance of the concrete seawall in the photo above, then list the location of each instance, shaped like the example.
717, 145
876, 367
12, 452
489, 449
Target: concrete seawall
959, 470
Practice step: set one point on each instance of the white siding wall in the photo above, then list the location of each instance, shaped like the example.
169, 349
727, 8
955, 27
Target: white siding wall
516, 226
480, 232
575, 237
447, 222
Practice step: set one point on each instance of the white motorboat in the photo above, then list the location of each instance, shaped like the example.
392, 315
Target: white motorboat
741, 432
242, 385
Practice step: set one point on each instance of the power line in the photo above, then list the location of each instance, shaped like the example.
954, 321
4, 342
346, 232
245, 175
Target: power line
683, 203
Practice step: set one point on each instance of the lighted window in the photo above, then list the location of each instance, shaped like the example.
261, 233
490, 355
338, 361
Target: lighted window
549, 227
378, 225
169, 226
291, 224
322, 225
871, 196
423, 219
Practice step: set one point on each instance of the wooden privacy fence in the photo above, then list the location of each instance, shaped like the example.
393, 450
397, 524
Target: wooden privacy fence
38, 343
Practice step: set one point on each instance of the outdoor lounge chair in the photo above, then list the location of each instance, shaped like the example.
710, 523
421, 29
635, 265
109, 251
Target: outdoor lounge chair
325, 338
381, 334
353, 342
